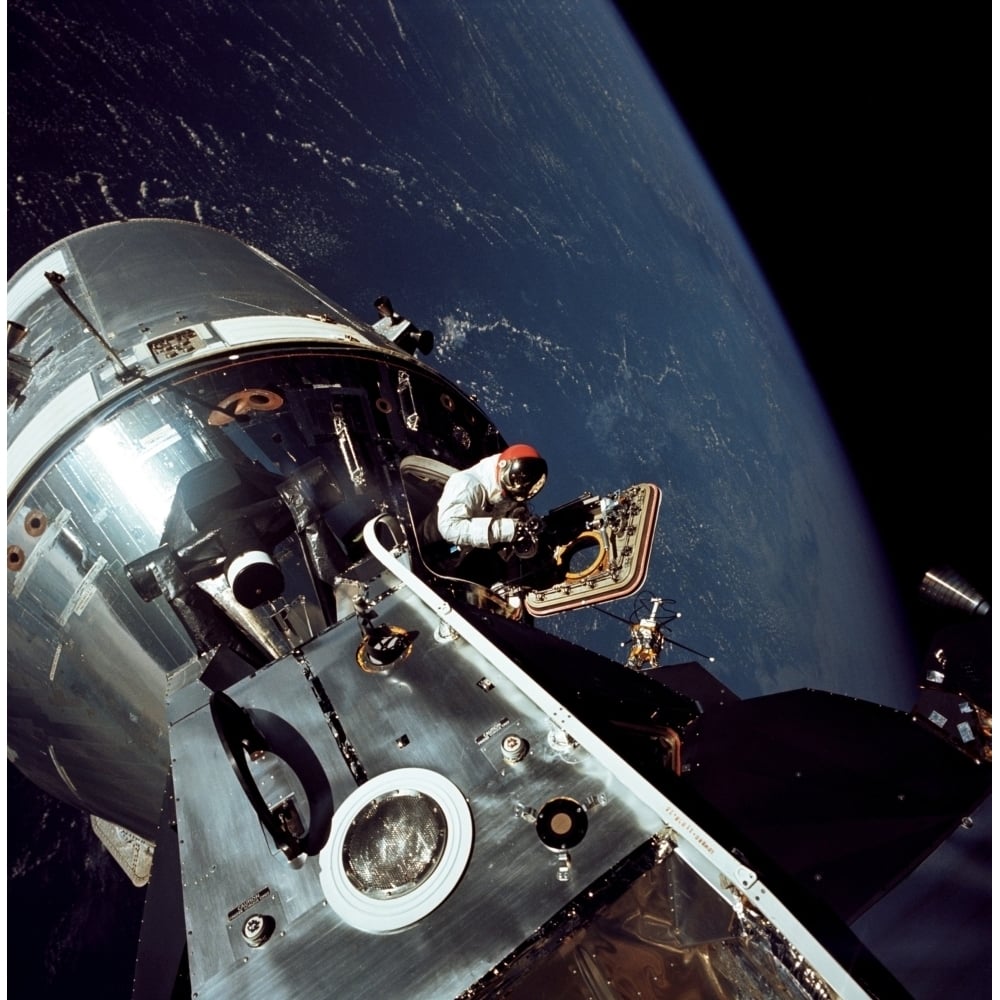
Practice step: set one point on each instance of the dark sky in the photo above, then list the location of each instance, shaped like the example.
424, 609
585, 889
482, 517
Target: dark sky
843, 143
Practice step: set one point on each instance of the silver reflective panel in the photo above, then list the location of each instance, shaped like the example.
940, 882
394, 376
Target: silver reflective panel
627, 905
213, 563
215, 508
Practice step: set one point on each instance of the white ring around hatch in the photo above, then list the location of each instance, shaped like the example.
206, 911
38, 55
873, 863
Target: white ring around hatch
381, 910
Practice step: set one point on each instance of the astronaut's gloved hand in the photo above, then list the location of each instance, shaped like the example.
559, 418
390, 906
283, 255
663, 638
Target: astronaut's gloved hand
521, 513
502, 529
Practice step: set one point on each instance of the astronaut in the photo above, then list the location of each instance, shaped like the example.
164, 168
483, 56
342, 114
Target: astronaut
484, 508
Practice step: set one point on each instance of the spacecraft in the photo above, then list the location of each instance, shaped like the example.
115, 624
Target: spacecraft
344, 771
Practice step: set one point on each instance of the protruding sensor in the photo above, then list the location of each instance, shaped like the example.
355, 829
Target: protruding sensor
947, 588
257, 929
255, 578
514, 748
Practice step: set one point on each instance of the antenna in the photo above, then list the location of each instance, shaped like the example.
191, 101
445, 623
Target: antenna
123, 372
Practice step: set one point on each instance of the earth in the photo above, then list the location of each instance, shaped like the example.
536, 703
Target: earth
514, 177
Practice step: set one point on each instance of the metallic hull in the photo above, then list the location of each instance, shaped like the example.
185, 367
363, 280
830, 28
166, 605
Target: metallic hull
360, 777
95, 457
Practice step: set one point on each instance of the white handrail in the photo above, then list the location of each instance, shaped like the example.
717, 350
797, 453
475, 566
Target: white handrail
732, 880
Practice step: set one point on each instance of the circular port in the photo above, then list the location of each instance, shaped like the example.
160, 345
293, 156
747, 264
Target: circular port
561, 824
35, 523
398, 847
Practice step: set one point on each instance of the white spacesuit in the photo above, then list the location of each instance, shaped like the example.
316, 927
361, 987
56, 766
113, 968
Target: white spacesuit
480, 506
473, 507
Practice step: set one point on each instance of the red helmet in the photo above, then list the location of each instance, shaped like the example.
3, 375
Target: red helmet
521, 471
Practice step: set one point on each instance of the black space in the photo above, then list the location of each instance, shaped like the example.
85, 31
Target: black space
843, 141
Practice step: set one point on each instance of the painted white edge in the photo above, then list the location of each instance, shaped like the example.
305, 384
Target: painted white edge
32, 285
53, 420
80, 401
380, 916
714, 863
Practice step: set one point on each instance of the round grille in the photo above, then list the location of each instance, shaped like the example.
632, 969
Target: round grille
394, 844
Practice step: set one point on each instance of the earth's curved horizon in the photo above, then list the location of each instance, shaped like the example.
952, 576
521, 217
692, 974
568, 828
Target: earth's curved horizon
541, 208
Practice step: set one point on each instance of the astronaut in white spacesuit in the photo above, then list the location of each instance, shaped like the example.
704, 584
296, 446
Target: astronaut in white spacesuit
481, 507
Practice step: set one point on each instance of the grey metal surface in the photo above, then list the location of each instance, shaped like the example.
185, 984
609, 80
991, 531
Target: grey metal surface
202, 367
135, 282
453, 708
97, 460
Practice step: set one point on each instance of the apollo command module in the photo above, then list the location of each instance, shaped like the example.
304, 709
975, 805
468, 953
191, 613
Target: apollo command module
342, 771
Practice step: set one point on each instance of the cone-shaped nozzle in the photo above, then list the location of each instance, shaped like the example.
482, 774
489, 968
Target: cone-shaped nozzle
948, 589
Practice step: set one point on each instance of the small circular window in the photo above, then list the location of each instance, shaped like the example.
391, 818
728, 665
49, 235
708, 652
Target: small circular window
399, 845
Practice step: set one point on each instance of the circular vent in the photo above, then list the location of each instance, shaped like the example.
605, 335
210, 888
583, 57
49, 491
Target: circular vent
399, 845
394, 844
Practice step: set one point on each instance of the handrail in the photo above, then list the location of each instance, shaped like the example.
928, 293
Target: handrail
716, 865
